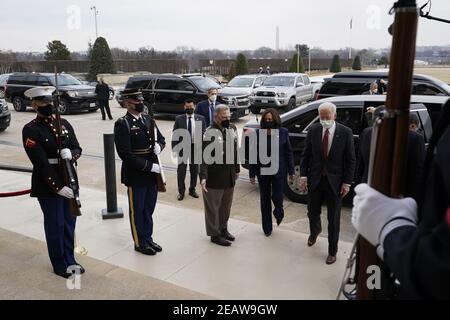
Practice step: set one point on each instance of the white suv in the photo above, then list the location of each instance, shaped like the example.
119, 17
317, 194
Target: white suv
282, 91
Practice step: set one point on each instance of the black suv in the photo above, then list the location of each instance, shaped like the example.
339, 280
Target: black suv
350, 112
75, 96
355, 83
165, 94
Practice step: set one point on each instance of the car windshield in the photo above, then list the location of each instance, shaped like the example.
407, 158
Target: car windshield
65, 80
241, 83
279, 81
204, 83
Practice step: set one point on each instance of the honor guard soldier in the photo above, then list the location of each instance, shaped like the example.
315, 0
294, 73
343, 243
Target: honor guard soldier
139, 142
42, 144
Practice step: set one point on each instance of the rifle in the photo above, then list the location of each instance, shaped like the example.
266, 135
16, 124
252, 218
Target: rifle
65, 165
390, 152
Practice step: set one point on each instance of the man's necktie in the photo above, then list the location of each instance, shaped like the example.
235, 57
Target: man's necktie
190, 126
211, 113
325, 143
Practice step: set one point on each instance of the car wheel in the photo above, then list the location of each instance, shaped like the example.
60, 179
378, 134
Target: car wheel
147, 108
111, 94
255, 110
63, 107
291, 105
19, 104
2, 129
292, 189
2, 93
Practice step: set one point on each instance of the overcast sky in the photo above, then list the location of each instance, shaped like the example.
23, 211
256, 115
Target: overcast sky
206, 24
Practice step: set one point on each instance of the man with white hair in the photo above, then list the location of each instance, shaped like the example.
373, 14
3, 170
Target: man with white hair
327, 171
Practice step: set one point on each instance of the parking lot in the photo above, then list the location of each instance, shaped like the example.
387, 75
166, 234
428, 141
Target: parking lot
90, 129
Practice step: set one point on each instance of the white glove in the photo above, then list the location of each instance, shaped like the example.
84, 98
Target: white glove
66, 192
374, 215
66, 154
156, 168
157, 148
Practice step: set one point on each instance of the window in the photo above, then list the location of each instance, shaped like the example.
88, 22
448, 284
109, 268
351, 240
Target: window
15, 79
138, 83
306, 80
299, 124
350, 117
166, 84
31, 80
183, 85
299, 80
344, 88
259, 81
43, 81
426, 90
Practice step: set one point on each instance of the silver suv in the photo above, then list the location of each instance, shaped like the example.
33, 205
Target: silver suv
282, 91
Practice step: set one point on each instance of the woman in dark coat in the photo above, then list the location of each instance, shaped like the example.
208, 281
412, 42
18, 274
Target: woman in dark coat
272, 185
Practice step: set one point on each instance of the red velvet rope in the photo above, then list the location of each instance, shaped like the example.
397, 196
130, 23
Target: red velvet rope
14, 194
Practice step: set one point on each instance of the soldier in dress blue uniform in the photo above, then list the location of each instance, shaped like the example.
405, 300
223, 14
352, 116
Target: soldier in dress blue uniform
138, 148
40, 139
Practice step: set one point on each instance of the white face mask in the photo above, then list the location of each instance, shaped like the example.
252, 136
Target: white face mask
213, 98
327, 124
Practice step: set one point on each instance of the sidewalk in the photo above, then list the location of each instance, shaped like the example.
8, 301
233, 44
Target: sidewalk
254, 267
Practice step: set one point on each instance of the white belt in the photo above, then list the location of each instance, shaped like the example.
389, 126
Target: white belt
53, 161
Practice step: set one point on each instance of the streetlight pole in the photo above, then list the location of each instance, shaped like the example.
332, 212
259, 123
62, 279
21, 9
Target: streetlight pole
95, 14
298, 58
309, 60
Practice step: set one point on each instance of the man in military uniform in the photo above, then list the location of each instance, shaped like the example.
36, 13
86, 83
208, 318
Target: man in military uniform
40, 139
413, 238
138, 142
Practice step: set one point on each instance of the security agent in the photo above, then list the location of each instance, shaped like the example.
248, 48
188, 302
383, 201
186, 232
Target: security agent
134, 135
40, 140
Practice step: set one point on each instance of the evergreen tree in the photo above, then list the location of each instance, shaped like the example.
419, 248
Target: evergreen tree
100, 59
241, 66
335, 64
56, 50
357, 63
293, 66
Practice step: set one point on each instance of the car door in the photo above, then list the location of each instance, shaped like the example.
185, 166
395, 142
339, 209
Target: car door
164, 95
299, 92
308, 88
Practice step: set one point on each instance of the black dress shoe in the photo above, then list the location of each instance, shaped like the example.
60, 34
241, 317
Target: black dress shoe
220, 241
312, 239
155, 246
228, 235
180, 197
194, 194
149, 251
268, 233
331, 259
279, 219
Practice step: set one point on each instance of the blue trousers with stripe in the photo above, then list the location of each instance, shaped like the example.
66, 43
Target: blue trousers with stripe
59, 226
142, 202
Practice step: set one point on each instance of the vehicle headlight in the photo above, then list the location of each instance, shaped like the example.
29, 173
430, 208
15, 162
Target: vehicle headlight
72, 94
281, 94
5, 107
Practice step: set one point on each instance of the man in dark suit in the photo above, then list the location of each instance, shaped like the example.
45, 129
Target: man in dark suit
218, 174
194, 125
206, 108
327, 171
415, 162
102, 91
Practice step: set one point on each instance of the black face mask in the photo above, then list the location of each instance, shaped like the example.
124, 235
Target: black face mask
46, 111
225, 123
266, 124
190, 111
139, 107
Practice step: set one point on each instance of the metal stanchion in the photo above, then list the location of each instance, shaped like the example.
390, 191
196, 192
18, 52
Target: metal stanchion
111, 211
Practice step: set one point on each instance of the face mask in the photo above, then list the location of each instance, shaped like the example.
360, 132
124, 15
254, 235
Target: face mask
213, 98
139, 107
266, 124
189, 111
327, 124
225, 123
46, 111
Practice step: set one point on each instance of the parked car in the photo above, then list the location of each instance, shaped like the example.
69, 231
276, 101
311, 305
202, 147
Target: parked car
247, 83
356, 83
3, 79
350, 112
94, 84
75, 96
5, 116
282, 91
164, 94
